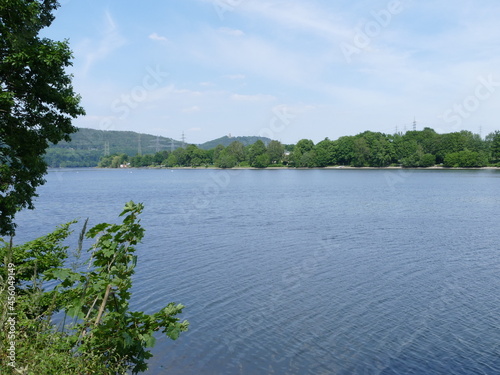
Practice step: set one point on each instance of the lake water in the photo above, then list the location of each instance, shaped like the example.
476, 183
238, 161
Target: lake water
306, 271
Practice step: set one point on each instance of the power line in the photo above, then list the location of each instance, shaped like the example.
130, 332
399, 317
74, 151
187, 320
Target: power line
158, 146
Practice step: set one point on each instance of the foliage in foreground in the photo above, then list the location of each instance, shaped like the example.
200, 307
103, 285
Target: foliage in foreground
37, 102
103, 336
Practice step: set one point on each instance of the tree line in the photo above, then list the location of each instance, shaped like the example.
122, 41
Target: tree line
423, 148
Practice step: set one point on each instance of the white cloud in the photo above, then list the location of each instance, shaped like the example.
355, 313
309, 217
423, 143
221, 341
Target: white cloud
231, 32
192, 109
234, 76
156, 37
110, 41
253, 98
301, 16
256, 56
427, 59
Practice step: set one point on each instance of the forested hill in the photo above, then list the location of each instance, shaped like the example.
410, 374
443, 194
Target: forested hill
226, 141
87, 146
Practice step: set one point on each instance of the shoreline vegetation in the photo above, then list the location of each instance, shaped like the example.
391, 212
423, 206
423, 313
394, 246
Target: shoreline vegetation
371, 150
82, 322
338, 167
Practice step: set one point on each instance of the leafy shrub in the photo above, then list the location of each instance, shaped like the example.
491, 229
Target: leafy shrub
105, 336
465, 159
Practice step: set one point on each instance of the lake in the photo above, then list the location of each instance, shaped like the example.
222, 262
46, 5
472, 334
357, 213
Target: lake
306, 271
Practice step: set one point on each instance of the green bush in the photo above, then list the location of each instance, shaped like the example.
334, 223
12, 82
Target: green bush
427, 160
465, 159
105, 337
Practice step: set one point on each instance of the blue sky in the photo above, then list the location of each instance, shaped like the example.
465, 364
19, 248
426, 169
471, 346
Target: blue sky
285, 69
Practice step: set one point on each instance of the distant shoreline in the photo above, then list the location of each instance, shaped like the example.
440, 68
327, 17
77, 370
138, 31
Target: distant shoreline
438, 168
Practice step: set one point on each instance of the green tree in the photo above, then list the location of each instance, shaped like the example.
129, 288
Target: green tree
326, 151
458, 141
262, 161
427, 160
465, 159
405, 149
216, 152
37, 102
226, 160
147, 160
182, 156
275, 150
493, 140
308, 160
382, 151
302, 147
419, 159
119, 160
427, 138
115, 161
373, 150
361, 151
237, 150
171, 161
345, 150
105, 161
135, 161
417, 148
195, 156
159, 157
256, 150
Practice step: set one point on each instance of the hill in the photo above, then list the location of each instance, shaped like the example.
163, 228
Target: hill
88, 145
226, 141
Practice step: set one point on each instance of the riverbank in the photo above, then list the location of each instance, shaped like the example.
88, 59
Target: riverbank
341, 167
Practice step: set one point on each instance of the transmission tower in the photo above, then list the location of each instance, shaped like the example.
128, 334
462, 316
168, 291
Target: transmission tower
157, 144
106, 148
139, 146
183, 140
